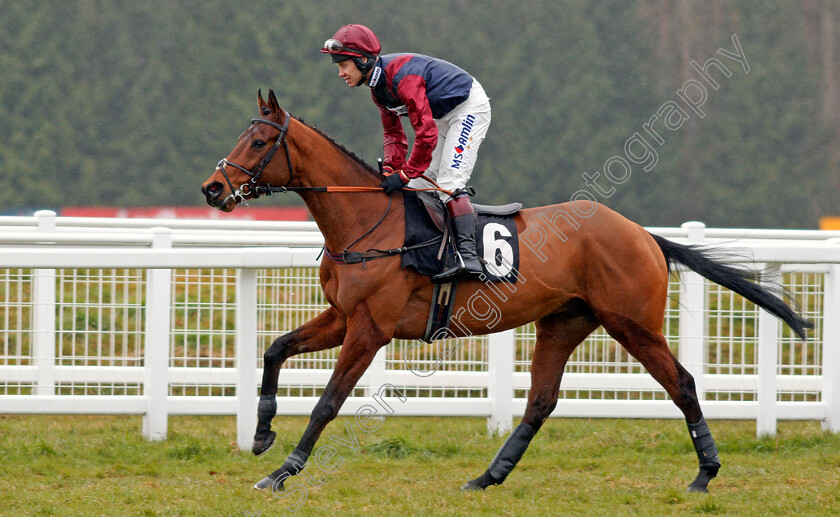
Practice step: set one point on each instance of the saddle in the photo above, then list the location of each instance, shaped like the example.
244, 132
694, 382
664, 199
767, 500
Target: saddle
437, 211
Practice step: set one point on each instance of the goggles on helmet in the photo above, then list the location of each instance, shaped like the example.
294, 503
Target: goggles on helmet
334, 46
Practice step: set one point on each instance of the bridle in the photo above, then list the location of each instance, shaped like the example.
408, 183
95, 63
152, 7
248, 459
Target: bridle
251, 187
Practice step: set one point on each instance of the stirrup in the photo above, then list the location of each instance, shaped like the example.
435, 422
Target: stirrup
452, 273
457, 272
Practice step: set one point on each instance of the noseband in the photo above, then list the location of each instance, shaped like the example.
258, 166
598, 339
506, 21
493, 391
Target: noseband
251, 187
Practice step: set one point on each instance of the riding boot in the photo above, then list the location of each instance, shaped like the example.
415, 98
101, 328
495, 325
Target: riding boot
463, 230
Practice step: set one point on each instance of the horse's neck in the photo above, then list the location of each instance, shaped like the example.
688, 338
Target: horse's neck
341, 217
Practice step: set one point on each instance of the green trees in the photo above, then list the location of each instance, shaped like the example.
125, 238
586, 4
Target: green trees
132, 103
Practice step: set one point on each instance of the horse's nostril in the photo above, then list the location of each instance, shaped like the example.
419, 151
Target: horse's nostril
213, 190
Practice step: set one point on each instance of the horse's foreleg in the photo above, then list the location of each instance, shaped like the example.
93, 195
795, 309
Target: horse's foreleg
324, 331
360, 345
652, 351
557, 337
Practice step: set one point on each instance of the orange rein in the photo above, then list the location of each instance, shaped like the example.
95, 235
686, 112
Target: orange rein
378, 189
436, 188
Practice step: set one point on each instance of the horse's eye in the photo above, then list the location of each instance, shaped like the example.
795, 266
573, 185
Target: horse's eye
258, 144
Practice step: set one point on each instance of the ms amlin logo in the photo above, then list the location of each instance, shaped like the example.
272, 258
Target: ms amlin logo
463, 139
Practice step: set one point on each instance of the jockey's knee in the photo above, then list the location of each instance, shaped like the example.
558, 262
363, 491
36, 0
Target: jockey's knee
460, 205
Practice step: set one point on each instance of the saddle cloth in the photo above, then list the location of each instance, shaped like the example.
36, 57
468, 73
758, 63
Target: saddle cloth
497, 240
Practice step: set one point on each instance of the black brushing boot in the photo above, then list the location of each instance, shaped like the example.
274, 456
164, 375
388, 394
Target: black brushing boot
264, 438
707, 454
507, 458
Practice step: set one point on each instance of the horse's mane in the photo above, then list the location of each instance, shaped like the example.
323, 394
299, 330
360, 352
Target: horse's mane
356, 158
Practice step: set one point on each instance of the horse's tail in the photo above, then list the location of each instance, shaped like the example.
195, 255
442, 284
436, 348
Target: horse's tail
738, 280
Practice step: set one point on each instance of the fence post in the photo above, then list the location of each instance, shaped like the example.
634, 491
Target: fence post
692, 315
831, 350
246, 356
500, 353
157, 341
43, 316
768, 347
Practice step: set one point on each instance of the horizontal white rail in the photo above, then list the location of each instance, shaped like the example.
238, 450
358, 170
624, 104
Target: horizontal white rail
145, 237
268, 256
453, 406
450, 379
70, 223
264, 257
139, 223
733, 234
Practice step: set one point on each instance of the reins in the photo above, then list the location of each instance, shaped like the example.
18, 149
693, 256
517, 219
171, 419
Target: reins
268, 189
255, 190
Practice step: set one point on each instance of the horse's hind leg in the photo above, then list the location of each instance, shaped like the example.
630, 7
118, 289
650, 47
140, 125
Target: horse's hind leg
557, 336
652, 351
324, 331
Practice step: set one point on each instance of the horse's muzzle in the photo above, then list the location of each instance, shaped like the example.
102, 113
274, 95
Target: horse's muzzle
213, 194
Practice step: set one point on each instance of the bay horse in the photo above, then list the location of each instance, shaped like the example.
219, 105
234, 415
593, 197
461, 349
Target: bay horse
594, 268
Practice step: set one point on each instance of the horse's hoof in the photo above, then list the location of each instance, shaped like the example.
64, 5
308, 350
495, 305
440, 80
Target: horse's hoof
707, 473
267, 483
261, 447
471, 486
480, 483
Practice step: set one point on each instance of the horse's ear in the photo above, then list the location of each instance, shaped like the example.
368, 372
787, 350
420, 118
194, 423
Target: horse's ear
273, 105
266, 109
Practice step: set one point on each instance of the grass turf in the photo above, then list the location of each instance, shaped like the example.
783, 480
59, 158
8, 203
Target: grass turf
100, 465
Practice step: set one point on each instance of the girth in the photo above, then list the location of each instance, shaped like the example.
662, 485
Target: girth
355, 257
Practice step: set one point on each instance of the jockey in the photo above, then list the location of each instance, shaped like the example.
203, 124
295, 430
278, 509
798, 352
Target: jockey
447, 109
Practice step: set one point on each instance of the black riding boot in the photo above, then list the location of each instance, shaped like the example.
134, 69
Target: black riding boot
467, 263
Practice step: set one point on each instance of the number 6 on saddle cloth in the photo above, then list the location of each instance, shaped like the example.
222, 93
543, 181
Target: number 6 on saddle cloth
497, 244
497, 241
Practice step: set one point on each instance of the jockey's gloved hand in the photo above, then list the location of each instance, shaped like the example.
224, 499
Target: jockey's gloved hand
394, 181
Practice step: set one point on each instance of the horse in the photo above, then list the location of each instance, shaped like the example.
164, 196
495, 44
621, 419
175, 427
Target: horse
593, 267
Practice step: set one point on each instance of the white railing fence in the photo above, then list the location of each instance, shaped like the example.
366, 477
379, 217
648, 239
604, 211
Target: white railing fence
172, 317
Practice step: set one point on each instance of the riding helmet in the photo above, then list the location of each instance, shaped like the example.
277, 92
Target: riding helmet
354, 42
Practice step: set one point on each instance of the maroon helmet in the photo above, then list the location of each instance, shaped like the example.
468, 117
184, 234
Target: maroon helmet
353, 41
